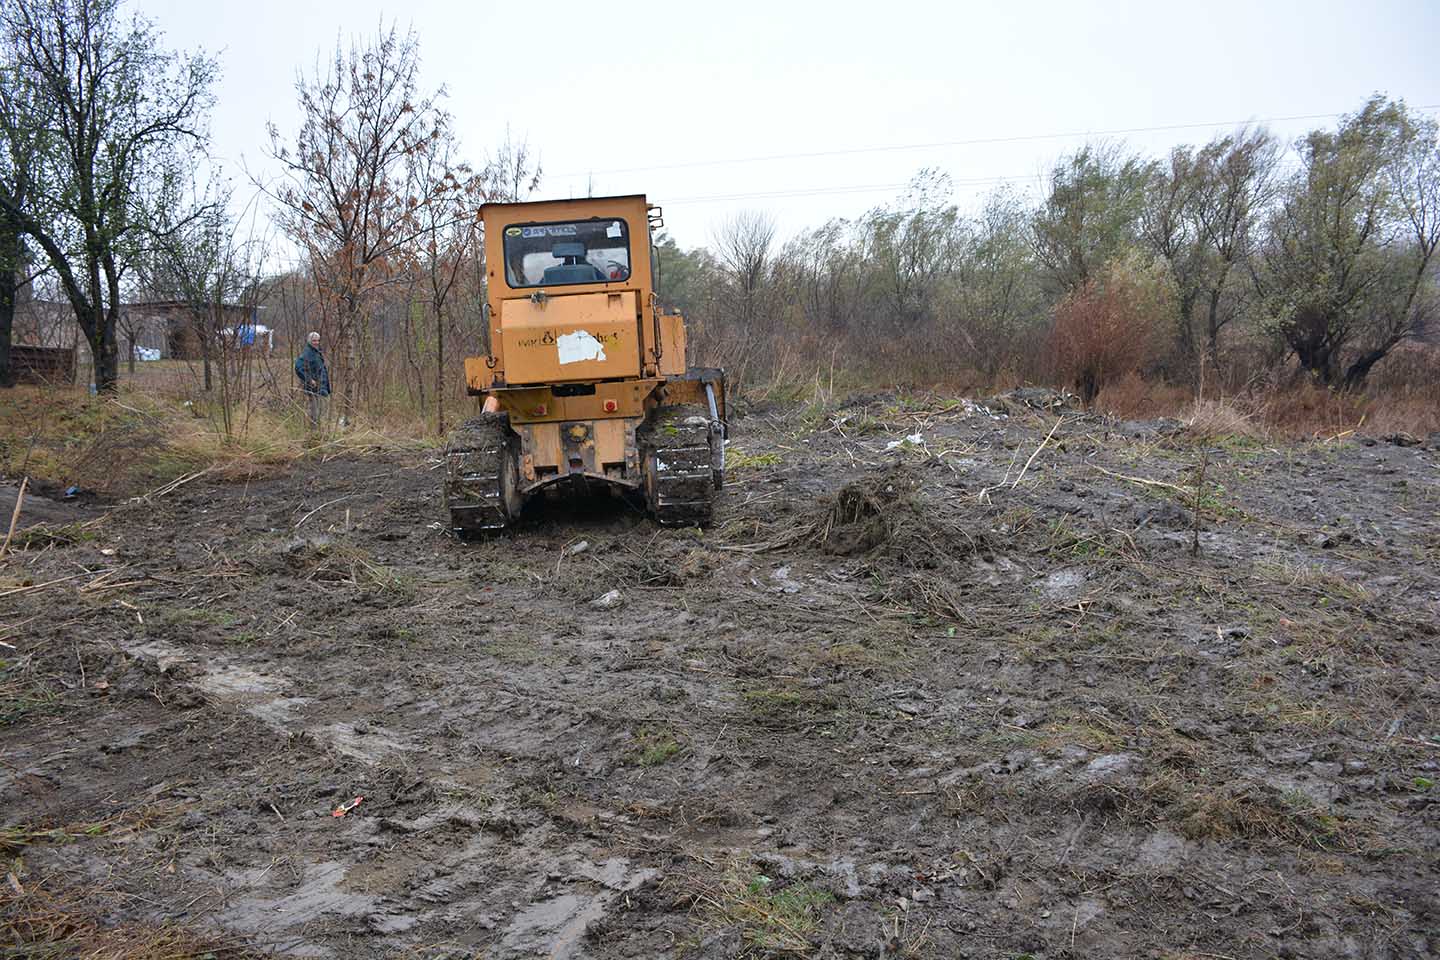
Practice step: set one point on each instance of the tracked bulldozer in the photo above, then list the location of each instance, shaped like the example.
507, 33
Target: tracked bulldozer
585, 386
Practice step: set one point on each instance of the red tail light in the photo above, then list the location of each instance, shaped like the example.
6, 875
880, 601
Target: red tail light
611, 406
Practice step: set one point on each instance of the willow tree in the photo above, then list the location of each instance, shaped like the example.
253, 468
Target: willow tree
1348, 266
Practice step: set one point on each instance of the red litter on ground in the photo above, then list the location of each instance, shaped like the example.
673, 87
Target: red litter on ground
346, 807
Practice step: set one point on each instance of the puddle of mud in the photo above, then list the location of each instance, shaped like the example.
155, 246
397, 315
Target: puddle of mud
555, 928
260, 695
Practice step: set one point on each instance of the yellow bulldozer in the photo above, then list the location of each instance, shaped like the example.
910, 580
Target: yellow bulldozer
585, 385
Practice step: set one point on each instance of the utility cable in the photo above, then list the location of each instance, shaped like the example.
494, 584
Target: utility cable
978, 141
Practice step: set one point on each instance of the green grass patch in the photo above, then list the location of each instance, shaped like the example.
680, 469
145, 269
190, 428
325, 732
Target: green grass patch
59, 535
782, 704
653, 747
774, 917
740, 460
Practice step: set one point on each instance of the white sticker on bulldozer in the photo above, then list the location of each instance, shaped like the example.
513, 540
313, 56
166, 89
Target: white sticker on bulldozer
577, 346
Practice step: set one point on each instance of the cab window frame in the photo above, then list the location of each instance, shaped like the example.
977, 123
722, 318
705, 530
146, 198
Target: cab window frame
505, 251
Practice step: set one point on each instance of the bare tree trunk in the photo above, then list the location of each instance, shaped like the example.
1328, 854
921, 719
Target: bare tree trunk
440, 371
8, 291
105, 355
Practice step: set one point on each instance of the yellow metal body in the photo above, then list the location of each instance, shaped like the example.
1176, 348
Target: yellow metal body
576, 408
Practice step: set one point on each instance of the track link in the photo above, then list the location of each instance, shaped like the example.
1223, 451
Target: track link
682, 449
481, 476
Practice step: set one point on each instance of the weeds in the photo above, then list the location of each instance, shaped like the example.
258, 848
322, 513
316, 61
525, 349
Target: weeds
43, 535
740, 460
772, 917
183, 617
332, 562
22, 694
777, 706
14, 839
653, 747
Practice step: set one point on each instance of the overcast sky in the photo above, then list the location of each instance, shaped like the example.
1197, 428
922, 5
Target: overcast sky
605, 90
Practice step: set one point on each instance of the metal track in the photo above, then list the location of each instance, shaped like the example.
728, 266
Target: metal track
680, 445
481, 476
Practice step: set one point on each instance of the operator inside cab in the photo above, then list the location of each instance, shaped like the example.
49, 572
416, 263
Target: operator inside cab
573, 267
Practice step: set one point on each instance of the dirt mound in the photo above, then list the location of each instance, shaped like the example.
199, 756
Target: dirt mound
915, 543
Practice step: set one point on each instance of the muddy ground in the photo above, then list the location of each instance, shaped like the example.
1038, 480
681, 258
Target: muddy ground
950, 697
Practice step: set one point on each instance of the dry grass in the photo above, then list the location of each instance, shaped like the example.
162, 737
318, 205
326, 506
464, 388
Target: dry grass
23, 693
1253, 812
39, 922
1132, 397
1310, 411
1304, 411
1223, 418
42, 917
139, 441
14, 839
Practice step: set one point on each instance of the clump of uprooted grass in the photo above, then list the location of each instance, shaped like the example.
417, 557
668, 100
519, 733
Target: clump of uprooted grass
37, 921
1235, 810
23, 694
1252, 811
330, 561
774, 917
915, 552
883, 514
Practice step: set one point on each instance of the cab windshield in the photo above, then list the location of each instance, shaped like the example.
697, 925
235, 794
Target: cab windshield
555, 254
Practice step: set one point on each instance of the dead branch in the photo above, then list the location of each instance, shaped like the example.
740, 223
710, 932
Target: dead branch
14, 515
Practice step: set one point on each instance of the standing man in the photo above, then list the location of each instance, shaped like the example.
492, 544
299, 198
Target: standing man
314, 379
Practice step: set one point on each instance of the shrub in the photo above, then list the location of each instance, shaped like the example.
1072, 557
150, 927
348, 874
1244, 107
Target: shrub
1108, 326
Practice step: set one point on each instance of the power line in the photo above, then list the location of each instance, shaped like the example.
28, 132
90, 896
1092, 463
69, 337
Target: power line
868, 188
827, 191
979, 141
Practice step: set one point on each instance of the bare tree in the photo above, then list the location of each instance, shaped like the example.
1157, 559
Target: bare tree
191, 262
1201, 212
1004, 311
743, 246
912, 246
1236, 186
20, 170
513, 172
348, 196
450, 238
117, 117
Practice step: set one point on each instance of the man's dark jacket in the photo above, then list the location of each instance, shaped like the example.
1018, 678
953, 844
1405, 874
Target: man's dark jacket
310, 368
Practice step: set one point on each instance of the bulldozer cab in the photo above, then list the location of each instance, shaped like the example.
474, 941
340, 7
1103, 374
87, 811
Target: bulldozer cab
570, 295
